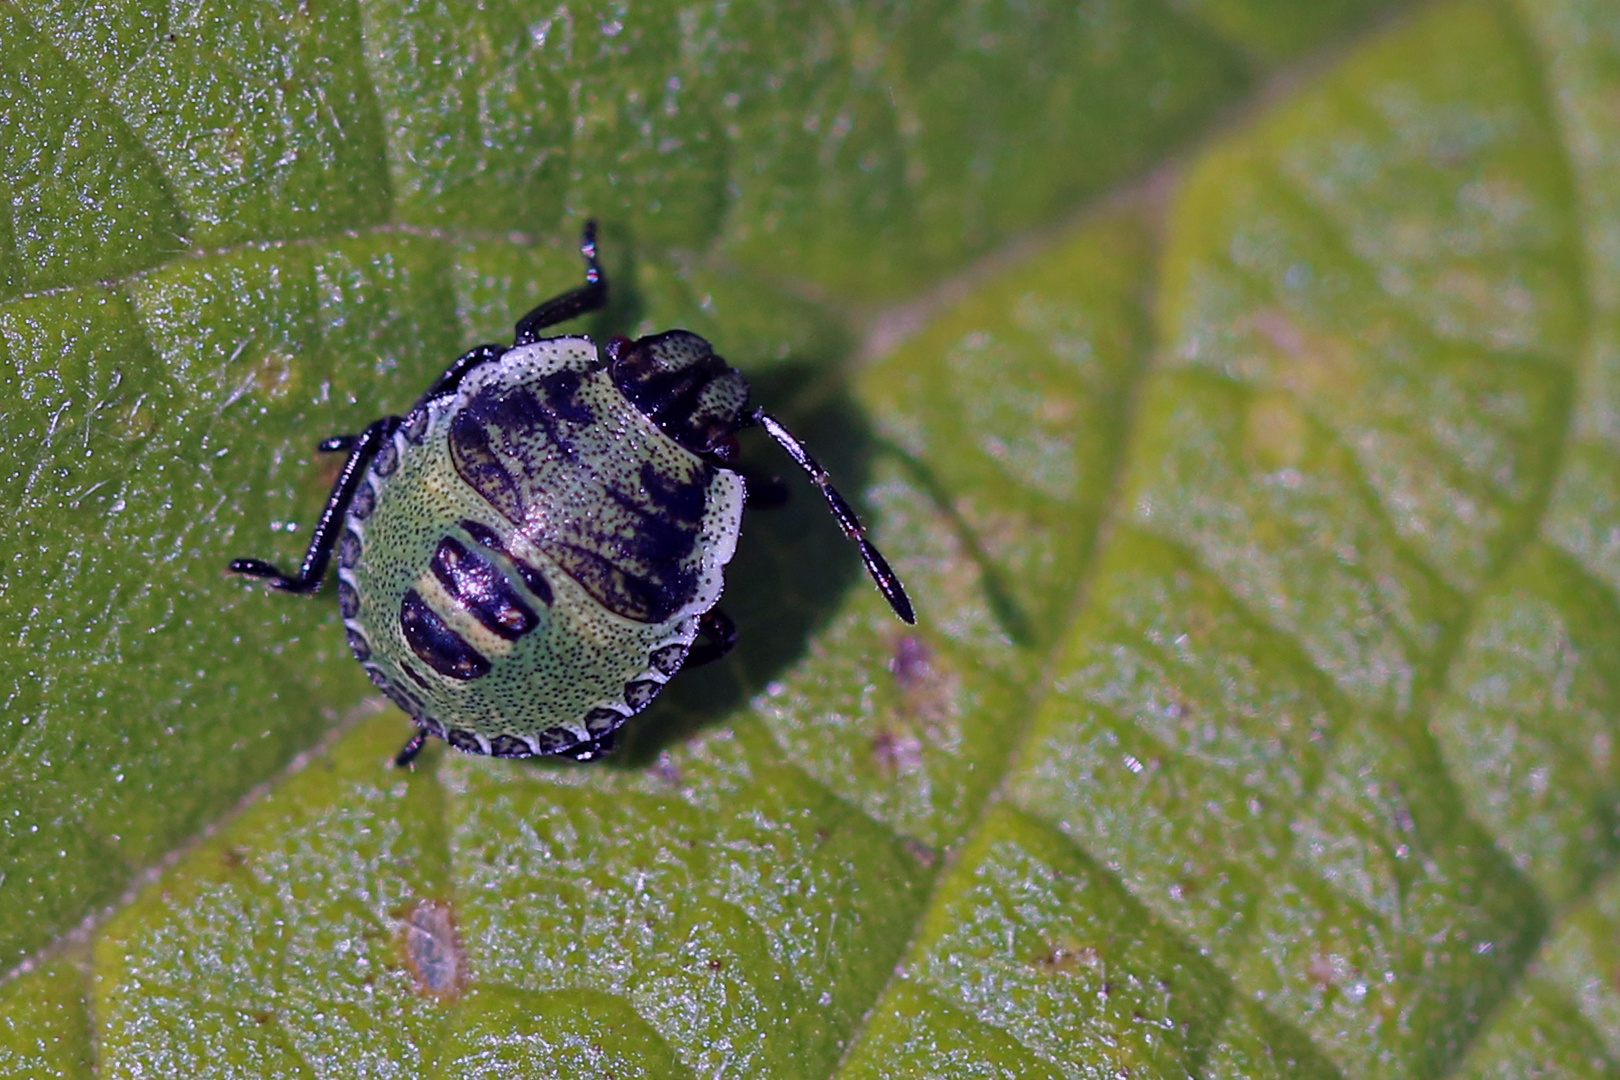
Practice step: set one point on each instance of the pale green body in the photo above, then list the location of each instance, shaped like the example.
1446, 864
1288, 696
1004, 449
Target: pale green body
584, 667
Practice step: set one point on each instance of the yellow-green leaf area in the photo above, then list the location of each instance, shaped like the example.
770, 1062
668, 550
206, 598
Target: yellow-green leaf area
995, 530
1281, 28
45, 1026
1331, 713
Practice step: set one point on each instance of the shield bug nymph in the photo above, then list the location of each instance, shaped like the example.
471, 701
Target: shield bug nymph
531, 553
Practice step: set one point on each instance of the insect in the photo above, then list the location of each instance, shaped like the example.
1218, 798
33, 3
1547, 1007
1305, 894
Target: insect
528, 556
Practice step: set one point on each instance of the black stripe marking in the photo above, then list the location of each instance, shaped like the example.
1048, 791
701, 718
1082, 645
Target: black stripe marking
556, 740
464, 741
531, 575
639, 694
509, 746
476, 462
651, 599
416, 676
474, 583
440, 647
668, 659
601, 721
483, 534
534, 579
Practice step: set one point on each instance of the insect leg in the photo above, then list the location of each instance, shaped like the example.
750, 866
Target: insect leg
717, 626
588, 297
447, 383
406, 756
309, 576
591, 749
876, 565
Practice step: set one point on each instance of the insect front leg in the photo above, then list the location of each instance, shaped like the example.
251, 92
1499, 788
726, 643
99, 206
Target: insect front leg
587, 298
447, 383
362, 448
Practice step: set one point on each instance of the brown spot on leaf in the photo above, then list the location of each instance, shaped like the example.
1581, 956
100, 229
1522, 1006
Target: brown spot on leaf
910, 663
666, 770
928, 688
433, 949
716, 964
920, 851
1280, 329
896, 752
1322, 970
1069, 957
1276, 431
273, 374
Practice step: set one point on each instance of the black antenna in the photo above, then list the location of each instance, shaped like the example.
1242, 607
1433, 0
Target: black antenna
882, 575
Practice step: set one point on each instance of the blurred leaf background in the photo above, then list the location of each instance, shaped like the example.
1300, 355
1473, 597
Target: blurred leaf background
1235, 384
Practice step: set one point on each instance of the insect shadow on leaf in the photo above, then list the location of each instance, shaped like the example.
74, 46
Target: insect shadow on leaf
792, 570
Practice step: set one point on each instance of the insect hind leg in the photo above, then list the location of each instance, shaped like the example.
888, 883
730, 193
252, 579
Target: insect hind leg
407, 754
591, 749
717, 626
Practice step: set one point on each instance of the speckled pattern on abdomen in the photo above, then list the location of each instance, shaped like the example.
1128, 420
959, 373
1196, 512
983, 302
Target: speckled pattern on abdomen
567, 679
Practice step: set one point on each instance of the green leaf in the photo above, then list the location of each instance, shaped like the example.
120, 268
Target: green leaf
271, 226
1264, 529
44, 1026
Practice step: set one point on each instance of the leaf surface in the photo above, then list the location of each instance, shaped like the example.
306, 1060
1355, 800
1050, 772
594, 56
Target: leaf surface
1259, 720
